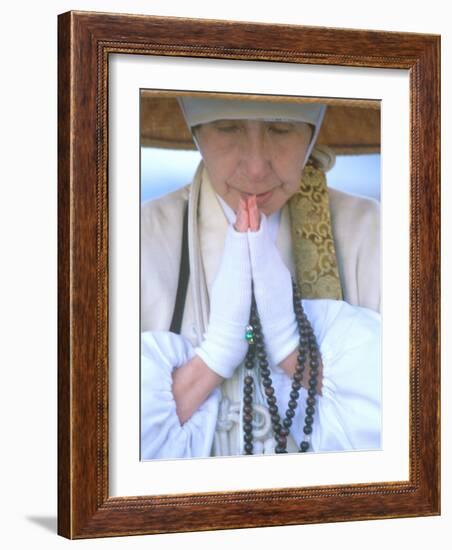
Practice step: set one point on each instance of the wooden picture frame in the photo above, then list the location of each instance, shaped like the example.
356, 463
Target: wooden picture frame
85, 42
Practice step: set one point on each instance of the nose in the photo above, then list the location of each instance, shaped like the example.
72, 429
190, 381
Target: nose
255, 155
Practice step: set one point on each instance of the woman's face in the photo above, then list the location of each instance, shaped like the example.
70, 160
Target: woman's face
250, 157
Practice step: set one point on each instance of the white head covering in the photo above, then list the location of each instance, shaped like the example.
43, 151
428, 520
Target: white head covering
200, 110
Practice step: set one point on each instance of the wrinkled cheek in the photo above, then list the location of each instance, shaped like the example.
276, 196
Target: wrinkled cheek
293, 179
223, 168
278, 201
219, 184
229, 176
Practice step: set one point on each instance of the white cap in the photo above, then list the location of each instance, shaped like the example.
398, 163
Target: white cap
200, 110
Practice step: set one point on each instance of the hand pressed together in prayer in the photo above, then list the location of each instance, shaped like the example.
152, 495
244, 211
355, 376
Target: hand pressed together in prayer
272, 285
250, 260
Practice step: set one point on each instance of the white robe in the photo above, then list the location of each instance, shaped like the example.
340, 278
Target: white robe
348, 412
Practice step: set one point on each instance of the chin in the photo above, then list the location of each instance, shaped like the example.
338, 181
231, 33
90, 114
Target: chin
268, 210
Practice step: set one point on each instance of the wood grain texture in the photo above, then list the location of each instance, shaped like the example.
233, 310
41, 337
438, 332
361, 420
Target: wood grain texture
64, 294
85, 42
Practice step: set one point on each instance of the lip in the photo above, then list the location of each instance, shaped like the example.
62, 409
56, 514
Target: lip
259, 196
264, 197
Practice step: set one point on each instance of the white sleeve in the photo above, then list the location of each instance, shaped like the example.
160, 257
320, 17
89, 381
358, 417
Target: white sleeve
162, 435
348, 413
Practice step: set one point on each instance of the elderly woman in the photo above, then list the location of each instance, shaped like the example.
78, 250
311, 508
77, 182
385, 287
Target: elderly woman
233, 360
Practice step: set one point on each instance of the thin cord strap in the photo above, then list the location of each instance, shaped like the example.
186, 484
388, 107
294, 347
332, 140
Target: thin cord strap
184, 274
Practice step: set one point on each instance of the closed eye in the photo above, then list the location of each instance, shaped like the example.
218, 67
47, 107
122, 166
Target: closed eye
227, 128
280, 128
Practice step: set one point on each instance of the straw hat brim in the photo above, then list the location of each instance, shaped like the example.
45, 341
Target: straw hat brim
350, 126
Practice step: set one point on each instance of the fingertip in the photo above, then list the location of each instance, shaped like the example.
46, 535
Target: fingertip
242, 220
254, 214
246, 218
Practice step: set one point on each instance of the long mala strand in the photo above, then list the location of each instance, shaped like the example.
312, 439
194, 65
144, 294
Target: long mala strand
307, 348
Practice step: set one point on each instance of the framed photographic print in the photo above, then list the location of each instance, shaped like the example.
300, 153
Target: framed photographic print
317, 236
180, 325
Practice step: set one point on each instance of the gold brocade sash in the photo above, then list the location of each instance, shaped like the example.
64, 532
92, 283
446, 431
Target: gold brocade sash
312, 238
